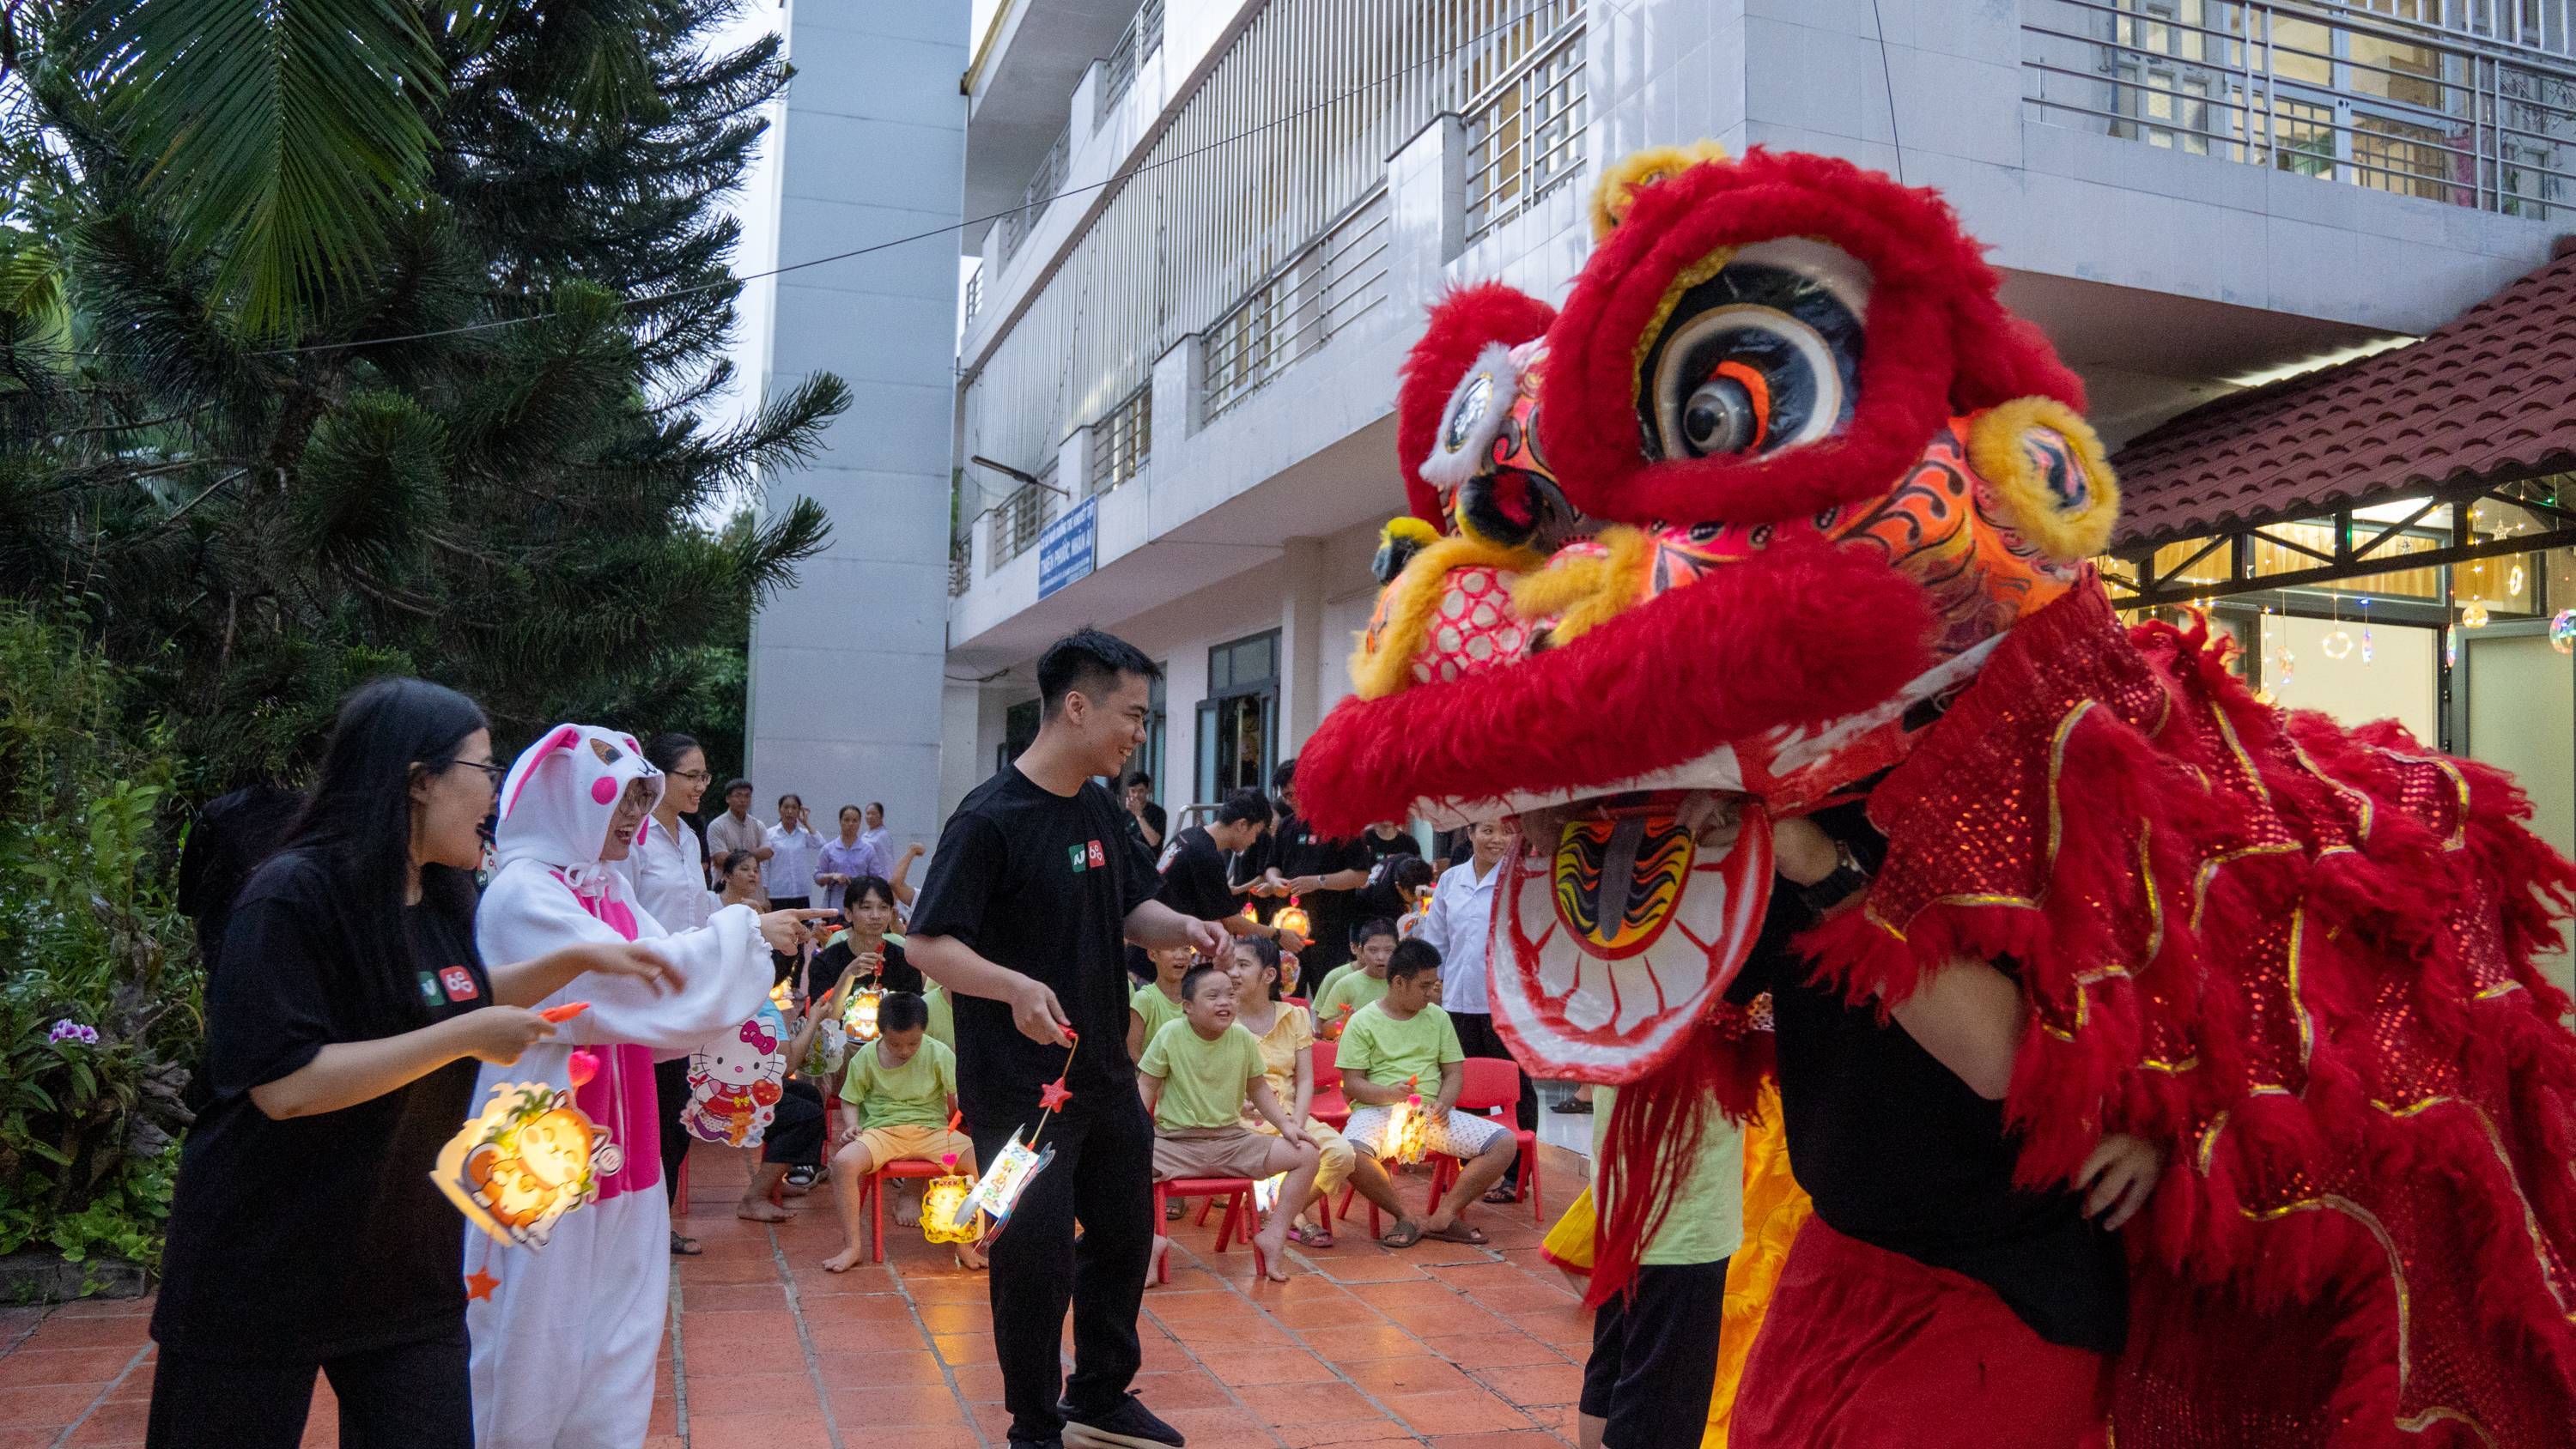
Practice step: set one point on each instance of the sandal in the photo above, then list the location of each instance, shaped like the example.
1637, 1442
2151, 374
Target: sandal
1403, 1235
1317, 1238
1503, 1195
684, 1247
1458, 1233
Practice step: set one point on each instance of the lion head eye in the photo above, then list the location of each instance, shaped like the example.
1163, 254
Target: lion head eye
1764, 355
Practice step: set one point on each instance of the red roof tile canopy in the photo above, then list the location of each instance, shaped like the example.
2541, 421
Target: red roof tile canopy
2490, 395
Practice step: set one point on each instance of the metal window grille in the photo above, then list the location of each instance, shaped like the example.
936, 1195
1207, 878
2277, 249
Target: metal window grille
2472, 105
1525, 137
974, 294
1021, 517
1334, 281
1122, 440
961, 566
1207, 225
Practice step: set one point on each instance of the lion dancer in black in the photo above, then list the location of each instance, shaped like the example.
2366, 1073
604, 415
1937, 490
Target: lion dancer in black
1031, 895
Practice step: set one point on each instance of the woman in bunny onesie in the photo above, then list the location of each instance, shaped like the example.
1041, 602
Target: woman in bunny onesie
565, 1337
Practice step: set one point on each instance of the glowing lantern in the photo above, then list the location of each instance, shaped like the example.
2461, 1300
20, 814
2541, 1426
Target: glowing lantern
531, 1157
998, 1191
782, 998
860, 1016
2473, 616
941, 1222
1292, 917
830, 1049
2562, 631
1408, 1131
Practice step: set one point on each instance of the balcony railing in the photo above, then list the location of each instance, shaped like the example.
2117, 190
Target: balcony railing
961, 565
1122, 440
1143, 35
1525, 134
974, 294
2471, 104
1331, 283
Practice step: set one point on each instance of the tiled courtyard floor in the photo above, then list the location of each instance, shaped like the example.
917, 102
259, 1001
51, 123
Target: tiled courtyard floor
1442, 1345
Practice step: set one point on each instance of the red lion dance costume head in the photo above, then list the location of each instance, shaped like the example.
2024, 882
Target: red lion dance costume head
1785, 504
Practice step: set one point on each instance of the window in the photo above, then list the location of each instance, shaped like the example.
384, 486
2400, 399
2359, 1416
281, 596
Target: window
1239, 720
1019, 731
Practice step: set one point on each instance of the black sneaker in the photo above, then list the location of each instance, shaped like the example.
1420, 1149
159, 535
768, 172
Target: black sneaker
1127, 1424
802, 1176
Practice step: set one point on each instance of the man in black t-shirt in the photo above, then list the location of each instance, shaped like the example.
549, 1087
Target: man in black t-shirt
1145, 820
1323, 876
1029, 897
1895, 1127
1194, 869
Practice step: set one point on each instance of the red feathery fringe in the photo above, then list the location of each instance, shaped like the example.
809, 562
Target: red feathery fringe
2437, 1098
1805, 633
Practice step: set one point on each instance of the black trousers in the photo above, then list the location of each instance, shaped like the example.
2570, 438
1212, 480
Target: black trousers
1103, 1178
1477, 1038
409, 1396
1654, 1357
670, 1098
795, 1134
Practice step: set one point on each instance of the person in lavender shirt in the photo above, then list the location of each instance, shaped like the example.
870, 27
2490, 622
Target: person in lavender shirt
880, 860
845, 860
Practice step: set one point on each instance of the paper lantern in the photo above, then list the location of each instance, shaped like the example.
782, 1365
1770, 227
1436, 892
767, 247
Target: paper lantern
998, 1191
1408, 1132
831, 1047
734, 1082
1292, 917
531, 1157
782, 998
860, 1016
941, 1222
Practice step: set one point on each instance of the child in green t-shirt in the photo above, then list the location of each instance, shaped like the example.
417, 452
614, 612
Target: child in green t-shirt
1403, 1046
1361, 982
1654, 1347
1158, 1002
901, 1091
1195, 1076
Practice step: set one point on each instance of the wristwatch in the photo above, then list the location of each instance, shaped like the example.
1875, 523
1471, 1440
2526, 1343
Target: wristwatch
1845, 881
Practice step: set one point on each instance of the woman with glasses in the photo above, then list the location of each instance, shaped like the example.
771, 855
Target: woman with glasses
667, 874
341, 1040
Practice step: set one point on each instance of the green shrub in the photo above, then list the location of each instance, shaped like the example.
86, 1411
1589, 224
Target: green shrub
91, 942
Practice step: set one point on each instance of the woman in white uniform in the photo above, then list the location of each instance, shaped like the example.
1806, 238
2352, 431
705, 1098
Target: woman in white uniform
666, 874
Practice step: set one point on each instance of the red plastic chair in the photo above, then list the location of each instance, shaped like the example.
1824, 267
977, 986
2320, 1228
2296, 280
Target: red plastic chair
1329, 1105
1237, 1226
872, 1194
1492, 1085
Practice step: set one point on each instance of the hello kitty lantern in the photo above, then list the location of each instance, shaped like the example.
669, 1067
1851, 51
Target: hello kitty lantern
735, 1082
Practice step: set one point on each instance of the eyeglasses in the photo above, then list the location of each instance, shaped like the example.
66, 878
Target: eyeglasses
696, 775
493, 770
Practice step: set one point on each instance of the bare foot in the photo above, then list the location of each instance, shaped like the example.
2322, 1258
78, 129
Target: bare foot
971, 1258
907, 1208
844, 1260
1273, 1243
761, 1210
1154, 1265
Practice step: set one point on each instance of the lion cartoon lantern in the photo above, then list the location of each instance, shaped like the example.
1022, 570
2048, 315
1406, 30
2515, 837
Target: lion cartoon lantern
1783, 504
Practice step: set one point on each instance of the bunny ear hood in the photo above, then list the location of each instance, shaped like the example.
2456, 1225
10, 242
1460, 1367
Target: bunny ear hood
562, 792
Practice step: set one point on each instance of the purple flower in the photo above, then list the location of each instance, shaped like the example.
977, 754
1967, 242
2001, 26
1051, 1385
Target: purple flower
70, 1030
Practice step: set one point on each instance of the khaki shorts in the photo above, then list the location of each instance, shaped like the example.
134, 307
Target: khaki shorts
1212, 1152
914, 1144
1337, 1157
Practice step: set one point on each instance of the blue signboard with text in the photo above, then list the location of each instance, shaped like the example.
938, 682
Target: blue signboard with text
1066, 546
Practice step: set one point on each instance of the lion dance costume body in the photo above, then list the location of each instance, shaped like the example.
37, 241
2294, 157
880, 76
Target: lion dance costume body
1785, 504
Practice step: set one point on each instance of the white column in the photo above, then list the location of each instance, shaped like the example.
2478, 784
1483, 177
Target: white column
1302, 657
846, 667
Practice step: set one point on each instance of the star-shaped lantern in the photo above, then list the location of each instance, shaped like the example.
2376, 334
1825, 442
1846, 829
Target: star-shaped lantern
479, 1285
1054, 1095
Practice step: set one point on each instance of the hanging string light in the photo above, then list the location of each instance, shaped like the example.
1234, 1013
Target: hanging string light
2337, 645
2367, 647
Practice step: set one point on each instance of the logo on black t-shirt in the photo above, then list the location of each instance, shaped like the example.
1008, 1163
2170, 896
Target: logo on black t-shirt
1097, 858
429, 988
1087, 856
458, 982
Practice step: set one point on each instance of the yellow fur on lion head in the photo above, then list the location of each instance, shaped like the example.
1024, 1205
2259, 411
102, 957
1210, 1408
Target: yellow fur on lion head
1641, 168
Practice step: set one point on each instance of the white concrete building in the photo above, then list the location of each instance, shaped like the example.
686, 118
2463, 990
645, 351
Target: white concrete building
1192, 346
1225, 217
